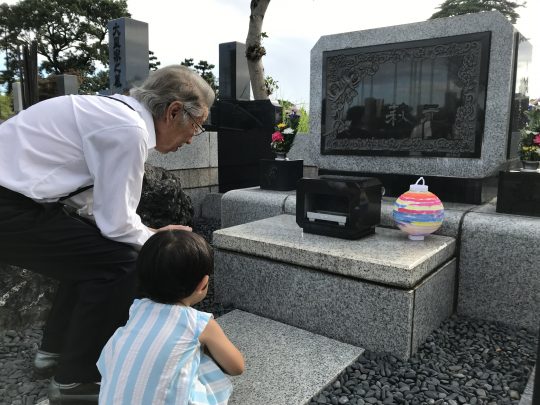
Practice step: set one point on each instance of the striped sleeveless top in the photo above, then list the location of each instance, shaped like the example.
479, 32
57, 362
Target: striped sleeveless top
156, 359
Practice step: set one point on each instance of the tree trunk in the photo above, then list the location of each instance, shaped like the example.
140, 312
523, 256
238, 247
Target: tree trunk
254, 50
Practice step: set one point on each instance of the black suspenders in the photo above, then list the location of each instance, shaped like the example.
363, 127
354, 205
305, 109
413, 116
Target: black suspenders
120, 101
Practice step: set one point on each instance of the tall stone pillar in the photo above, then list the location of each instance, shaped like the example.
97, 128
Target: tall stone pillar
128, 53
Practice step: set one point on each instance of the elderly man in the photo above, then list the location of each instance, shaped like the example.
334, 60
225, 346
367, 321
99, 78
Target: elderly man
88, 152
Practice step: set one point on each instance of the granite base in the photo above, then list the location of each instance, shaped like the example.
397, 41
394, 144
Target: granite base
498, 269
370, 315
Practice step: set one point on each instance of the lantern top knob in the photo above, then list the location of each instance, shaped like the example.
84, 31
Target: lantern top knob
419, 187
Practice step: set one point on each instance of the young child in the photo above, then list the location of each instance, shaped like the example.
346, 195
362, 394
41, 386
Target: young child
157, 357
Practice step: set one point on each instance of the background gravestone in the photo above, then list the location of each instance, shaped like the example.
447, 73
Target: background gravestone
234, 81
244, 126
128, 54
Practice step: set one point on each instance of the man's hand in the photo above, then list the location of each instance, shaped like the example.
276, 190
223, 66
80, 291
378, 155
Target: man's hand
172, 228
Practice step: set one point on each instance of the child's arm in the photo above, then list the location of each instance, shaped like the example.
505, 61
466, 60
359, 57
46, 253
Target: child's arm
226, 355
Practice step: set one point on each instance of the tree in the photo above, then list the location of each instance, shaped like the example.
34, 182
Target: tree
153, 61
457, 7
254, 49
5, 107
205, 71
71, 35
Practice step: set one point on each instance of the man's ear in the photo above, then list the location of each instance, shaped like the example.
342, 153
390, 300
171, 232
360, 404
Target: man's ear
174, 109
203, 284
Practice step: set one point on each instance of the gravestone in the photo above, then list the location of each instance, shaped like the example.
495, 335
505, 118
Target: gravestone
244, 126
67, 84
58, 85
233, 72
425, 99
128, 54
17, 97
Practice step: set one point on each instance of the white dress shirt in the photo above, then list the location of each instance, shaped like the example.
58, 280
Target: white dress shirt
62, 144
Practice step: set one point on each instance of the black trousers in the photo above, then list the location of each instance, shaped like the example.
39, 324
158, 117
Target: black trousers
97, 278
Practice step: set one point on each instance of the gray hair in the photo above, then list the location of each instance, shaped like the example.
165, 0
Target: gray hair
174, 83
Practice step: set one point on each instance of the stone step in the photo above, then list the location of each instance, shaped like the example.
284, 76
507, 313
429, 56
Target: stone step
284, 365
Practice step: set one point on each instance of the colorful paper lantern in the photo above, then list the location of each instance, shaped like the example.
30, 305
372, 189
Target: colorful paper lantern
418, 212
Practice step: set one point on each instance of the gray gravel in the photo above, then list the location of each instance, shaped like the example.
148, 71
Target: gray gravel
463, 362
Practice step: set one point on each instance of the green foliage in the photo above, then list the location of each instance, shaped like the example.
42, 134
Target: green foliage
94, 83
271, 85
5, 107
451, 8
303, 125
71, 35
303, 122
154, 63
205, 71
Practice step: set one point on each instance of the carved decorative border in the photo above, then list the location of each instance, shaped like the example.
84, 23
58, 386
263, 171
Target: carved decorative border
346, 71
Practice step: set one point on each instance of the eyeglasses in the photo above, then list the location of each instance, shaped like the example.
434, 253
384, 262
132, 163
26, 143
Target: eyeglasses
200, 129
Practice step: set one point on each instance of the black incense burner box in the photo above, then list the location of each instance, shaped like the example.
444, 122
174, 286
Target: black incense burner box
339, 206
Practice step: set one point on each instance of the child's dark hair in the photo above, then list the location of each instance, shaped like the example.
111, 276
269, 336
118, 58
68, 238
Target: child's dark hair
172, 263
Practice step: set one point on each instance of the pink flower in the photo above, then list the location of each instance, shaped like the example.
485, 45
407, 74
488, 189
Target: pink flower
536, 139
277, 137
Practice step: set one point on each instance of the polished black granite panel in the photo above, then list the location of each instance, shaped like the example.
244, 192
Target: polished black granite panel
417, 98
519, 193
280, 175
448, 189
244, 130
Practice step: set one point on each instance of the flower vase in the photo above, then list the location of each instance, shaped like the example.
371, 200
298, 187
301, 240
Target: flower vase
281, 156
529, 165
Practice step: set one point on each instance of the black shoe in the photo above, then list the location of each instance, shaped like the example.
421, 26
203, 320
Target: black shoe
45, 364
73, 394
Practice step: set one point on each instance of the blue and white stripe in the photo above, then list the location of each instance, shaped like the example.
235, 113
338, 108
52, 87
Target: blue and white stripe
156, 359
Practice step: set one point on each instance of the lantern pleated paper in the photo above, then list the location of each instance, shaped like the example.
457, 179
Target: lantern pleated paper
418, 212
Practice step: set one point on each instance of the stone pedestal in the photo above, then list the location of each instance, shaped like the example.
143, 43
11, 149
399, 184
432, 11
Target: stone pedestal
382, 292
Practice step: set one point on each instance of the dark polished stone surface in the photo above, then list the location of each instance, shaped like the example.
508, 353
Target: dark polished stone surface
233, 71
448, 189
244, 135
519, 193
354, 200
417, 98
280, 175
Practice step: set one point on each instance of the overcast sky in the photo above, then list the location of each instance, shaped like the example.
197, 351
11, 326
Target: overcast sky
195, 28
180, 29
